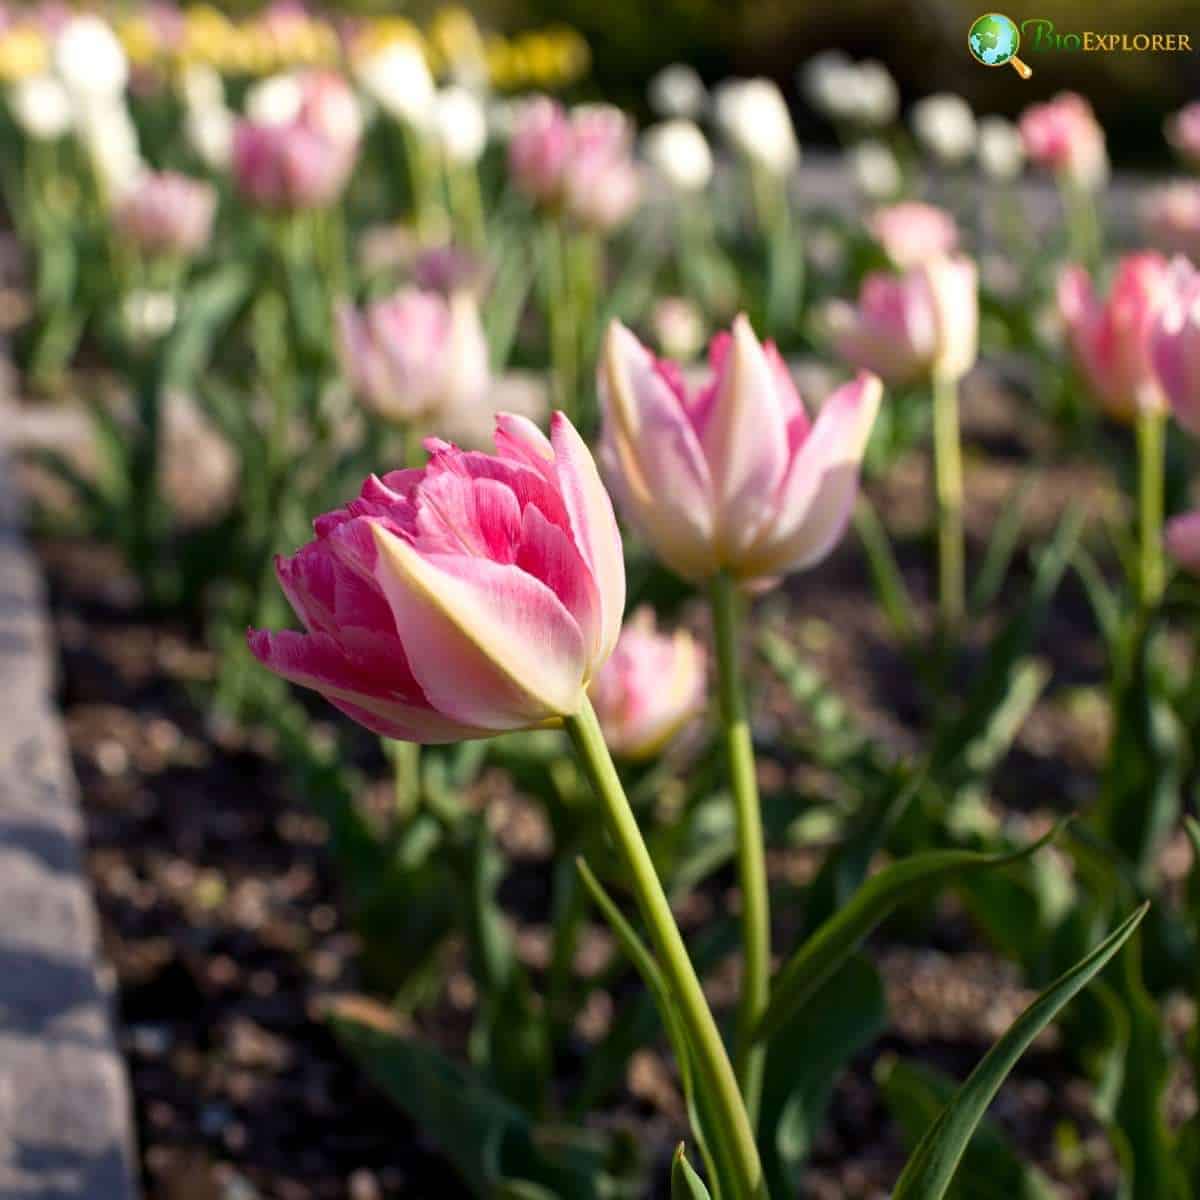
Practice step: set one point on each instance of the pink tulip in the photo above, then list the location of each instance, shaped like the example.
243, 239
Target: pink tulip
1183, 132
734, 476
1064, 136
913, 326
1182, 538
1110, 340
303, 162
580, 162
1175, 343
415, 353
911, 232
1171, 218
478, 594
167, 214
649, 689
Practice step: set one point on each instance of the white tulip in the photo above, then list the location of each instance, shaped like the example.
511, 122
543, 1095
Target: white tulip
876, 97
679, 152
460, 125
276, 100
397, 78
1001, 151
149, 314
209, 132
41, 107
202, 87
108, 135
945, 127
678, 91
89, 58
825, 79
875, 169
753, 115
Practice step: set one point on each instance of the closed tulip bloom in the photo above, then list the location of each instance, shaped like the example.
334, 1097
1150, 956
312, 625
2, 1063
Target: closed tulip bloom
1183, 132
166, 214
913, 326
1001, 150
539, 146
478, 594
1182, 539
733, 476
415, 354
753, 116
945, 126
1064, 136
1171, 218
678, 91
912, 232
1175, 344
41, 107
651, 687
679, 152
876, 172
1110, 339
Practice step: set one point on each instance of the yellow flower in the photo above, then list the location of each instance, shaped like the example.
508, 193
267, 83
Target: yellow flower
23, 52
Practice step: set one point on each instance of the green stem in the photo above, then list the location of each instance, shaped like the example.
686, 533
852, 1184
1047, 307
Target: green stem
731, 1125
749, 1055
947, 453
405, 758
1151, 429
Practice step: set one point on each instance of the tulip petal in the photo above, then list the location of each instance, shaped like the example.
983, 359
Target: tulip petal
490, 645
518, 439
594, 526
745, 441
818, 495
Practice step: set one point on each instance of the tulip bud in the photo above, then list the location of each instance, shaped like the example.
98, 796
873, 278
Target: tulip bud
89, 59
914, 326
876, 172
1171, 217
1064, 136
167, 214
945, 127
1175, 343
1183, 132
912, 233
753, 117
41, 107
478, 594
1110, 340
732, 477
679, 152
678, 91
1182, 539
459, 125
1001, 150
649, 689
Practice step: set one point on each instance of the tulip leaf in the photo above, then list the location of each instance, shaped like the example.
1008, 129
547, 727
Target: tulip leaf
842, 933
890, 588
685, 1183
930, 1169
1002, 546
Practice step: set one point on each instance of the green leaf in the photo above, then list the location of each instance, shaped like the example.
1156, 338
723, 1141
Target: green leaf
1002, 546
930, 1170
992, 1169
890, 588
685, 1183
841, 934
205, 310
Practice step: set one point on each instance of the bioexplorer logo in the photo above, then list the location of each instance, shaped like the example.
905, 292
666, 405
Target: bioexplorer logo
994, 40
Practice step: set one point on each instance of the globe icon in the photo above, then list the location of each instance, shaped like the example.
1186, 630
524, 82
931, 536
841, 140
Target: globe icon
994, 40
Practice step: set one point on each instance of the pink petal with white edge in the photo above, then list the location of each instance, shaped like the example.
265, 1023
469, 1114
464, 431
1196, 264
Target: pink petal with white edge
518, 439
818, 495
491, 646
745, 441
594, 527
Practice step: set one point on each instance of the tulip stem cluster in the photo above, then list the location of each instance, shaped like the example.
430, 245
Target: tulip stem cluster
947, 454
749, 1055
731, 1125
1151, 440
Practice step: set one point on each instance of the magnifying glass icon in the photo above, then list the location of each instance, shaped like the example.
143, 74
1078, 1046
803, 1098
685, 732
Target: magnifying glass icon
994, 40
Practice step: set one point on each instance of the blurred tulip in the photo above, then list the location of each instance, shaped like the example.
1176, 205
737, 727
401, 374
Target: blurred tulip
1001, 150
1175, 343
108, 135
397, 78
1182, 539
209, 132
89, 58
912, 232
651, 686
918, 325
1183, 132
1110, 339
733, 477
1170, 216
678, 91
415, 354
459, 125
862, 93
876, 172
276, 100
1064, 136
944, 125
678, 328
539, 148
167, 214
753, 117
679, 152
478, 594
41, 107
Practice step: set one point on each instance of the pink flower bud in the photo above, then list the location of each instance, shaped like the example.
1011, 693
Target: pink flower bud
913, 326
1182, 538
733, 476
478, 594
415, 354
911, 232
167, 214
1183, 132
1171, 217
653, 684
1064, 136
1110, 340
538, 149
1175, 343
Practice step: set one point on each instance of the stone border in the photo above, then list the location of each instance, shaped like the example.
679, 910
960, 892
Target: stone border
65, 1126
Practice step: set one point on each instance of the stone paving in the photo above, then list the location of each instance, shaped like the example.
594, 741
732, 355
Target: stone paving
65, 1127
